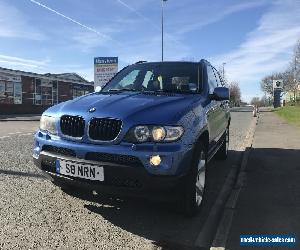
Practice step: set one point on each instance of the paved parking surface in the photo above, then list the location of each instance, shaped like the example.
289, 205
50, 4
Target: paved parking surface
14, 128
35, 214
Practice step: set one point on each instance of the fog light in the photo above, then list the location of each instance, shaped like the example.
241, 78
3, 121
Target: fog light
155, 160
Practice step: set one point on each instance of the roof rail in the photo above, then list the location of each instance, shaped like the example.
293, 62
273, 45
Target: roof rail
204, 61
140, 62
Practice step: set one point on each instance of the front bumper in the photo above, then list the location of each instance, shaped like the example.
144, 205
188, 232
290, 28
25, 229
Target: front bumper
175, 157
120, 180
127, 170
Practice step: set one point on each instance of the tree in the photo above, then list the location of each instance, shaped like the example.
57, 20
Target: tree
266, 83
295, 63
263, 101
288, 80
290, 77
255, 101
294, 71
235, 93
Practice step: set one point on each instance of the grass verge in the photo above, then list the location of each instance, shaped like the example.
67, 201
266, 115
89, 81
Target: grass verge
290, 113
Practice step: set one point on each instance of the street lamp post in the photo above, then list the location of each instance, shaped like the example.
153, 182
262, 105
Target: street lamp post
162, 29
224, 63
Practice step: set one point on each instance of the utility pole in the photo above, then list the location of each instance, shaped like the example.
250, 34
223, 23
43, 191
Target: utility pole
162, 29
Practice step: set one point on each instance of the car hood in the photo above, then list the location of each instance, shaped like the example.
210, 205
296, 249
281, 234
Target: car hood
137, 107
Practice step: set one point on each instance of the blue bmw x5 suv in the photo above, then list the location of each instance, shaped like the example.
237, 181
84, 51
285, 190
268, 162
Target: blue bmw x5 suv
149, 131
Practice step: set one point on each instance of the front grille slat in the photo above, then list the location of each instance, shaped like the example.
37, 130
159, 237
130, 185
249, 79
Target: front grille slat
59, 150
127, 160
104, 129
72, 126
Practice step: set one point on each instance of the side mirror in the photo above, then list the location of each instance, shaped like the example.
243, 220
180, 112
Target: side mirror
98, 89
220, 94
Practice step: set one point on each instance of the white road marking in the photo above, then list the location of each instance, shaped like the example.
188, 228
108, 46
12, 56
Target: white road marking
17, 133
2, 137
26, 134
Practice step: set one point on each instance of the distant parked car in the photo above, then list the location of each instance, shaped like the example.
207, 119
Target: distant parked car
150, 131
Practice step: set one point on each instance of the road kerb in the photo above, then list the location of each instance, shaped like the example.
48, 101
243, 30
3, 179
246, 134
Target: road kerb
223, 229
20, 120
232, 201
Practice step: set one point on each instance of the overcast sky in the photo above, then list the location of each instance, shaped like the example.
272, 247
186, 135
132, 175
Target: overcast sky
254, 37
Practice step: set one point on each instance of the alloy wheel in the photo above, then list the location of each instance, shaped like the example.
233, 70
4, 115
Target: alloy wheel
200, 179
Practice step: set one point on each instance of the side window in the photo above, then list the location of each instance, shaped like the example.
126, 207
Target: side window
219, 82
211, 79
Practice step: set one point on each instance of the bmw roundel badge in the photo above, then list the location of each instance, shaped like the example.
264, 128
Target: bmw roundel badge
91, 110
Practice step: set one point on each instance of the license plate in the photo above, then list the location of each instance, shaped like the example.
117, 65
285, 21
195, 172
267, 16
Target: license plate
81, 170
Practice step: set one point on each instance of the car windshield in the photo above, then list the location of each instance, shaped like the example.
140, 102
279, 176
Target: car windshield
180, 77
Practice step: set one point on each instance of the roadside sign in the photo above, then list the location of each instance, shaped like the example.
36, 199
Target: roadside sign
104, 69
277, 84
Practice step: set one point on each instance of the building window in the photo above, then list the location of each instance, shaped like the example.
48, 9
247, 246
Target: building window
10, 92
79, 91
2, 89
54, 92
45, 92
38, 92
17, 93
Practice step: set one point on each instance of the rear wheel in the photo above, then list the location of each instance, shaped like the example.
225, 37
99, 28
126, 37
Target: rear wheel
194, 185
222, 153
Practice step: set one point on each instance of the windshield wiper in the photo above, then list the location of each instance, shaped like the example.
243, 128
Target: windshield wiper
123, 89
177, 91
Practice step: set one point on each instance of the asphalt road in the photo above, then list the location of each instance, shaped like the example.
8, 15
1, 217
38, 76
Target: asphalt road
9, 129
37, 215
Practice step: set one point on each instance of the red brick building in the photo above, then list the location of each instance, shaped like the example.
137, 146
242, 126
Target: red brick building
30, 93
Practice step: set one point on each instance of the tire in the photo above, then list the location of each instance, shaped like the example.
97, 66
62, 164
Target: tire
222, 153
194, 184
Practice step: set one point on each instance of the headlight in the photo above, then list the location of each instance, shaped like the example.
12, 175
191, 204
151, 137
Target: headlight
141, 133
158, 133
47, 123
145, 133
173, 133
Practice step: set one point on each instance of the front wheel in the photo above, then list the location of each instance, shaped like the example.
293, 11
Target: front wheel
194, 185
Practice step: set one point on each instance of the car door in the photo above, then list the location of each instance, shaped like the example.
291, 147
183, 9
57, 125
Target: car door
222, 107
212, 108
218, 123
